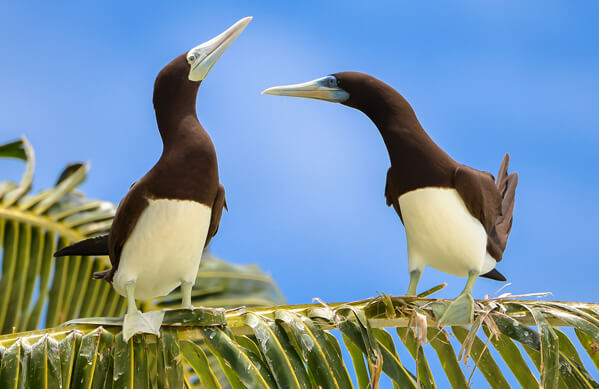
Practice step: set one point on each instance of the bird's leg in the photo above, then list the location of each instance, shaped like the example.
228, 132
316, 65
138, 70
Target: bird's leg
186, 287
136, 322
461, 310
131, 306
414, 278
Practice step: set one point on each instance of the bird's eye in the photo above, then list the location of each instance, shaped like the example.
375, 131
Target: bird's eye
191, 58
332, 82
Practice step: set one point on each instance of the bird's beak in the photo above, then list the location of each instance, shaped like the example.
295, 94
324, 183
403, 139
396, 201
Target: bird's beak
203, 57
324, 88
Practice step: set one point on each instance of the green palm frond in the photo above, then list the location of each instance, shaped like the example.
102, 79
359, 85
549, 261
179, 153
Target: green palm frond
245, 338
34, 284
32, 227
294, 347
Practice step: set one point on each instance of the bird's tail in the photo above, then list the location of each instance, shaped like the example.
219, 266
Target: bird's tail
91, 246
506, 185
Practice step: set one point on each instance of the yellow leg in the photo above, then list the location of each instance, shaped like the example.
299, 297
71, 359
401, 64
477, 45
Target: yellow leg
186, 288
461, 310
414, 278
136, 322
131, 307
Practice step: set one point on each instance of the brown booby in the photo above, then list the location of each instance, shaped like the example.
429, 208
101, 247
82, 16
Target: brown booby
166, 219
457, 219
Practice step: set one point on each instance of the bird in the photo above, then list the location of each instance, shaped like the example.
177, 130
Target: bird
167, 217
457, 219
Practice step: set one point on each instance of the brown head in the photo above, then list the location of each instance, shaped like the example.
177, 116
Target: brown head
357, 90
176, 86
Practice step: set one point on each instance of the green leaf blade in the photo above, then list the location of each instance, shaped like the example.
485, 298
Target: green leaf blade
44, 366
392, 365
195, 356
283, 361
483, 359
439, 341
425, 376
514, 360
244, 367
358, 362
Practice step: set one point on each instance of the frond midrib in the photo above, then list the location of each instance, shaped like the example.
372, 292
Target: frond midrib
40, 221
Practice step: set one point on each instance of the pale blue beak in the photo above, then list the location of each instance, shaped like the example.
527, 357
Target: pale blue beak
324, 88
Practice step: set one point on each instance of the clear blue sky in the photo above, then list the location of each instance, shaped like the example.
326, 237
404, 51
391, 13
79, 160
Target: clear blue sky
305, 179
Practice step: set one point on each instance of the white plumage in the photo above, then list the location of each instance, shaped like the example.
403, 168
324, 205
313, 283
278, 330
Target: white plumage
164, 248
442, 233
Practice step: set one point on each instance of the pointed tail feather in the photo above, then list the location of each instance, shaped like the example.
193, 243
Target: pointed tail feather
506, 185
494, 275
91, 246
502, 174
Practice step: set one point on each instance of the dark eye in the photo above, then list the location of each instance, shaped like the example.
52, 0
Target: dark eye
192, 57
332, 82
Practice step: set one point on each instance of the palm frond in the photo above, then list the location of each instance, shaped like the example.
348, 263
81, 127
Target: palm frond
294, 347
256, 342
35, 286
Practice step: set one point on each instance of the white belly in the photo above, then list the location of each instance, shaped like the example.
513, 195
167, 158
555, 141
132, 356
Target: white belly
442, 233
164, 248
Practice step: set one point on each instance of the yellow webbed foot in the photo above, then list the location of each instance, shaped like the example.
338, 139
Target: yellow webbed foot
459, 312
137, 323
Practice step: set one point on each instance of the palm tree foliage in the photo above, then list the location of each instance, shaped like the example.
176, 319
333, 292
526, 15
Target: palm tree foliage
33, 227
255, 343
292, 347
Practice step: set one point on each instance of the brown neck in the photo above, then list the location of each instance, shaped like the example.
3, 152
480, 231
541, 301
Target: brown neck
406, 140
187, 168
416, 160
175, 106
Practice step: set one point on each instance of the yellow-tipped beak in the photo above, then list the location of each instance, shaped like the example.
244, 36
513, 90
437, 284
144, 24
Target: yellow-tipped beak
202, 58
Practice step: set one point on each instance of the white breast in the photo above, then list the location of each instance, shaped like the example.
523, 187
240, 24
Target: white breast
164, 248
442, 233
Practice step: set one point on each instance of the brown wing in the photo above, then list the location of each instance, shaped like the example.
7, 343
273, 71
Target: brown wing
490, 202
127, 214
391, 194
217, 210
480, 195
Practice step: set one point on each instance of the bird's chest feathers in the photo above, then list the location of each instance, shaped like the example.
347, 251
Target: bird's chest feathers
440, 230
165, 246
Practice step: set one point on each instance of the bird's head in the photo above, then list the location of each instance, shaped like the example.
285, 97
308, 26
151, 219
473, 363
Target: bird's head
202, 58
179, 80
346, 87
354, 89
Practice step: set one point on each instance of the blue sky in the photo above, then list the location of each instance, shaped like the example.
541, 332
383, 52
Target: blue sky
305, 179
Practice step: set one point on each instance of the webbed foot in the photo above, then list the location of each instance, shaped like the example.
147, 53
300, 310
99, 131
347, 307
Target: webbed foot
459, 312
137, 322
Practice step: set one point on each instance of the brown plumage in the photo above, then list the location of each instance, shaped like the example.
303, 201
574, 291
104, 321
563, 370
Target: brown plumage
457, 219
418, 162
186, 170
